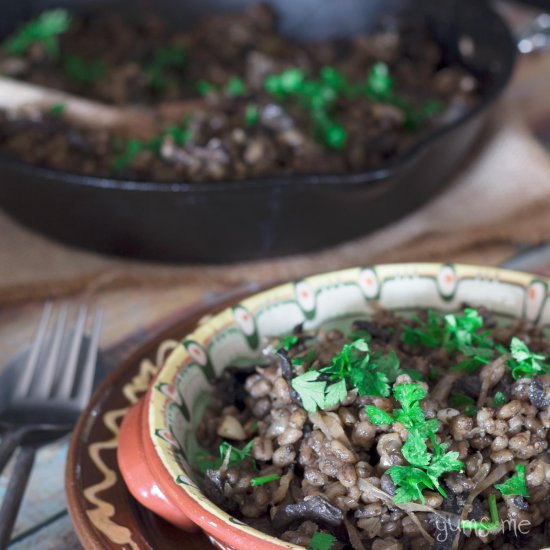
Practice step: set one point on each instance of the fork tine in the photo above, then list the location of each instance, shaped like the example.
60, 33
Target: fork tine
87, 379
47, 374
27, 375
67, 371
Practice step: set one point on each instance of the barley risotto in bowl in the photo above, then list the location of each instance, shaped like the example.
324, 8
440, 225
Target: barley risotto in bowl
393, 406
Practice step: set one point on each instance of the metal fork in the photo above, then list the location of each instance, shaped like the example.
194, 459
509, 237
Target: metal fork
51, 391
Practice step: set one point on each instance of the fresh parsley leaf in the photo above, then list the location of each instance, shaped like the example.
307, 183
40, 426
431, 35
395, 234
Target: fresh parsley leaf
389, 364
412, 417
409, 482
492, 525
415, 450
321, 541
453, 332
378, 416
470, 365
409, 395
519, 350
165, 63
442, 463
288, 342
433, 374
462, 334
204, 462
379, 82
348, 360
371, 375
83, 71
235, 87
525, 363
425, 467
499, 399
255, 481
335, 393
237, 455
515, 485
45, 30
414, 375
57, 110
310, 389
429, 333
370, 382
204, 87
465, 402
316, 96
416, 118
133, 147
311, 355
251, 115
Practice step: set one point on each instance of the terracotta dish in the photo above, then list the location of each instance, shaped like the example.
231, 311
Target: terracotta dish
104, 513
157, 440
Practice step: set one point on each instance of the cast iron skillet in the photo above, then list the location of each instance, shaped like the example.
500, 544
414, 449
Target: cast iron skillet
262, 218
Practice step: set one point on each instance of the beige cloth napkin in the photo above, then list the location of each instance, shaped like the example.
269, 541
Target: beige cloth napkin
502, 198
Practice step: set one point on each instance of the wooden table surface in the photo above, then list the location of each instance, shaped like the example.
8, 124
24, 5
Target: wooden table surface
131, 318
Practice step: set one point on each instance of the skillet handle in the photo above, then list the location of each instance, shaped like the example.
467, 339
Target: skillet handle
139, 479
531, 36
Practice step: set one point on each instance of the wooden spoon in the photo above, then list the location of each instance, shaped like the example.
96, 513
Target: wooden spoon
138, 122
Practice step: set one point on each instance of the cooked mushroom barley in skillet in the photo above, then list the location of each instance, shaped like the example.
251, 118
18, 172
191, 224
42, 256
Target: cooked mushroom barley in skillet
259, 103
403, 431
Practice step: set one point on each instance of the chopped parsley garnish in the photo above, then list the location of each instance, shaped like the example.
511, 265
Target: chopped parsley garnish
433, 374
57, 110
164, 62
354, 367
45, 30
371, 374
465, 402
354, 364
458, 332
204, 462
314, 392
204, 88
418, 117
425, 467
499, 399
524, 363
133, 147
235, 87
251, 115
255, 481
83, 71
317, 96
379, 85
492, 525
428, 333
515, 485
321, 541
288, 342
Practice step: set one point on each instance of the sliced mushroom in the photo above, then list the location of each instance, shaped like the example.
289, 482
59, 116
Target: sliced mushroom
316, 509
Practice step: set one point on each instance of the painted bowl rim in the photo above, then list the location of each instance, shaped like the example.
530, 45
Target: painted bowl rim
217, 321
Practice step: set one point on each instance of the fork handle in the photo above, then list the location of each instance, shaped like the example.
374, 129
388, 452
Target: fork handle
9, 442
14, 493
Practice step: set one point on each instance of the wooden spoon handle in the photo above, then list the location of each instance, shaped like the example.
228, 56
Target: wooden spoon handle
15, 95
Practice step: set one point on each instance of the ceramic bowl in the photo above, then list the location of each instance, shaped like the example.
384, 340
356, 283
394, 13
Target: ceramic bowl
157, 439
